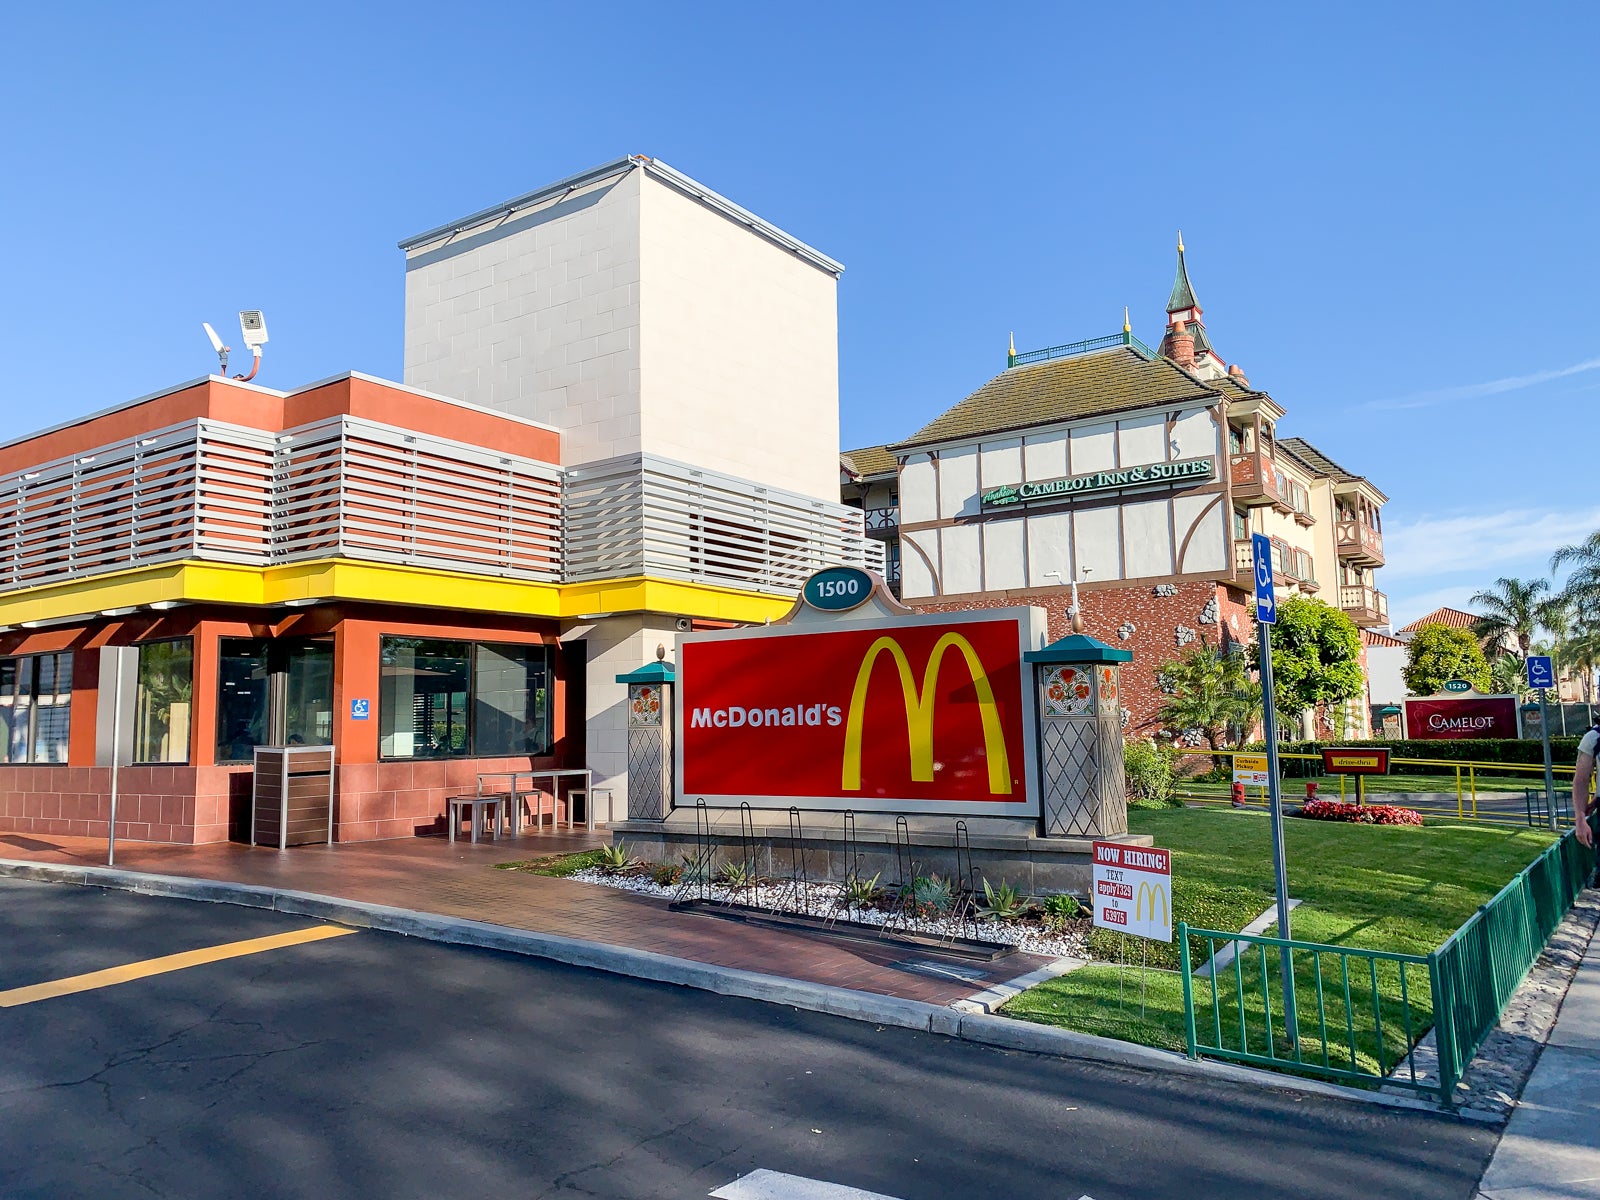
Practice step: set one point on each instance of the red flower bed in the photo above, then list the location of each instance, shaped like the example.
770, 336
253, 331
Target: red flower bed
1361, 814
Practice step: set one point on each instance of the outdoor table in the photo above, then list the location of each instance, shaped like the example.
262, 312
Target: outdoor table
555, 777
479, 807
514, 805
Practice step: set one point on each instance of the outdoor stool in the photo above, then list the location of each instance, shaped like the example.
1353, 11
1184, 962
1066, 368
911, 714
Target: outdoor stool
480, 808
610, 796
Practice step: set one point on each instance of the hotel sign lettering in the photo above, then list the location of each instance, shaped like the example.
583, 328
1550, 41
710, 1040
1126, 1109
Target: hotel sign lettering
1183, 470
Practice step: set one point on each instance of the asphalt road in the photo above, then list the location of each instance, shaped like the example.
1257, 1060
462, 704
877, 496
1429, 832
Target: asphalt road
377, 1066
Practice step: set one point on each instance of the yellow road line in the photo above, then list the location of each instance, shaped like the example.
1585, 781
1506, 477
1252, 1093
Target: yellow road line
164, 964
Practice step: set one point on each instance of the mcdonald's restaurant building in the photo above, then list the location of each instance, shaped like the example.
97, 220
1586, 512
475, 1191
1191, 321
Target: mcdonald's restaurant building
1140, 473
441, 576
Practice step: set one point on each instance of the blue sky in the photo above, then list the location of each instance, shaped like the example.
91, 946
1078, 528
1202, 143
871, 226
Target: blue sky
1389, 210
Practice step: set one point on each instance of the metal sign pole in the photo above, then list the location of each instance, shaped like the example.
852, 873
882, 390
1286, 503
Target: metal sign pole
1280, 872
116, 753
1549, 771
1266, 617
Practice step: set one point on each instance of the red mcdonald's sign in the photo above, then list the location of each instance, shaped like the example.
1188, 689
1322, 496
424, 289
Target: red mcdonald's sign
919, 712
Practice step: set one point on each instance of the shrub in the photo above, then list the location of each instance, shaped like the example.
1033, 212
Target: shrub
613, 858
1059, 911
734, 875
1360, 814
665, 874
1148, 770
1002, 903
862, 893
930, 896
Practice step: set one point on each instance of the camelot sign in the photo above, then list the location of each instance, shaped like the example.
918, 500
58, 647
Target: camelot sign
1446, 718
925, 713
1183, 470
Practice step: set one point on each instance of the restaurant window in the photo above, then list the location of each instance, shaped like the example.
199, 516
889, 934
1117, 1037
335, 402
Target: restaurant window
162, 702
443, 699
273, 693
35, 708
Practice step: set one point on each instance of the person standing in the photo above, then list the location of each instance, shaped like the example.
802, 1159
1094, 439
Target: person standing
1586, 816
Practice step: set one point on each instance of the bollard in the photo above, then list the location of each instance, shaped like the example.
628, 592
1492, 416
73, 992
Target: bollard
1311, 789
1238, 795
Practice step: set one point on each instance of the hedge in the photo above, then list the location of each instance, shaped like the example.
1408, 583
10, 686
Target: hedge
1563, 752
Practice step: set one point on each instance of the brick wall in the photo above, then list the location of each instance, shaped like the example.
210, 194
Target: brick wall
1156, 627
155, 803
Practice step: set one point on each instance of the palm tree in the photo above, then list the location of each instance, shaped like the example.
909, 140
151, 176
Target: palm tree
1505, 675
1512, 607
1582, 590
1212, 691
1579, 652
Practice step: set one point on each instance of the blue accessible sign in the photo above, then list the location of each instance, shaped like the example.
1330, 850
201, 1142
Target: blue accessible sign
1541, 671
1266, 599
360, 710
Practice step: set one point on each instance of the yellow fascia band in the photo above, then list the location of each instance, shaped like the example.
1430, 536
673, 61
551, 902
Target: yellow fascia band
340, 579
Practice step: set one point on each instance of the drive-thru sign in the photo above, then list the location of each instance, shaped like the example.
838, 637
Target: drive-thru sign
1133, 890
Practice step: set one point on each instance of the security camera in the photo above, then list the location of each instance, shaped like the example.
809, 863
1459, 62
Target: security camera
684, 624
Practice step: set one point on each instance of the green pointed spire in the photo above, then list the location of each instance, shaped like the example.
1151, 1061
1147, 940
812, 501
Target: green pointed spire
1182, 292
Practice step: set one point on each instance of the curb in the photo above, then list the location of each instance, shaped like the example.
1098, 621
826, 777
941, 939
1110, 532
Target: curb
981, 1028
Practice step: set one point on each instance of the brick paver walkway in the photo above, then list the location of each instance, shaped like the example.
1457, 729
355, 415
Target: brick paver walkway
431, 875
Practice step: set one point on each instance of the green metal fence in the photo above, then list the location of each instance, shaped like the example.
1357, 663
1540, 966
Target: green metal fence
1358, 1014
1485, 961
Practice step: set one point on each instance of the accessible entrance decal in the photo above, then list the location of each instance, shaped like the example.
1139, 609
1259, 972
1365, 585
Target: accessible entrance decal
912, 713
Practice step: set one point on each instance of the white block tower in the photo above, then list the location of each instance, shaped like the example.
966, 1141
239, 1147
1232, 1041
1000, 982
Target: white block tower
636, 311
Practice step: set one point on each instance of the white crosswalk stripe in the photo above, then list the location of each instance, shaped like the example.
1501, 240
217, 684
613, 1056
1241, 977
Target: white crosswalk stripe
762, 1184
775, 1185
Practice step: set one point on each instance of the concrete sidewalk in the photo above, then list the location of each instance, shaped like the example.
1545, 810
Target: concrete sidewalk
431, 875
1551, 1147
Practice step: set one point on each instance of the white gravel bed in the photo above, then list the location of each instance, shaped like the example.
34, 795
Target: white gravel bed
823, 900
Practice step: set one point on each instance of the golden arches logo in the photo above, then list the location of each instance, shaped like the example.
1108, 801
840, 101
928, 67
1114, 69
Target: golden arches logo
919, 704
1151, 892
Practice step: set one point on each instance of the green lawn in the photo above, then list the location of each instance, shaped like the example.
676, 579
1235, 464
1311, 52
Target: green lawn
558, 865
1398, 888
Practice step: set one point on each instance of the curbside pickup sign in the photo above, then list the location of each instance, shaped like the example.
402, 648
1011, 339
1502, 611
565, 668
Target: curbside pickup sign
1251, 770
1133, 890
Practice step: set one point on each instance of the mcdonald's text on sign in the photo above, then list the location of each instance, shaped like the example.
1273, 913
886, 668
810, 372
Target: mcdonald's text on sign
1133, 890
923, 713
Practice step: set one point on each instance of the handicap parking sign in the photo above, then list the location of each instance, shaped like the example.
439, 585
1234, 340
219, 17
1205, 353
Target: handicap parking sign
360, 710
1266, 599
1541, 671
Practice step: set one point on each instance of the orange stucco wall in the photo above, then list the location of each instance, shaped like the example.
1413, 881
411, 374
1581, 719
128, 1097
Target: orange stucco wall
191, 802
224, 400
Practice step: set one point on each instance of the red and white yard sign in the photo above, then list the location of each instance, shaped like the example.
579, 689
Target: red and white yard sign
1133, 890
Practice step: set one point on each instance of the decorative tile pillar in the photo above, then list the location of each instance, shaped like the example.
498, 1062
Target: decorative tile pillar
650, 740
1083, 790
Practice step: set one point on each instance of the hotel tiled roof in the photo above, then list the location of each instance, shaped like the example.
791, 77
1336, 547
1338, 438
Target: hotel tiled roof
1319, 462
1452, 617
1372, 638
870, 460
1061, 389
